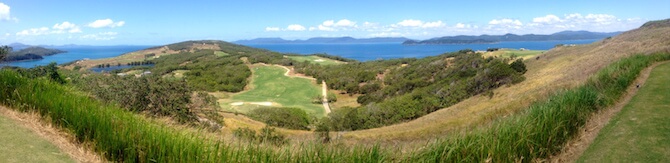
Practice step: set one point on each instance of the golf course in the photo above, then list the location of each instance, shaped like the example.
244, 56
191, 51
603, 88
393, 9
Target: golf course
271, 87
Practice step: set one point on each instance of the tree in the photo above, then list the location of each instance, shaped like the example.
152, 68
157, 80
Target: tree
519, 66
4, 52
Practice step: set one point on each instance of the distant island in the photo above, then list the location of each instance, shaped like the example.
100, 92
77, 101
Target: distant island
461, 39
26, 52
324, 40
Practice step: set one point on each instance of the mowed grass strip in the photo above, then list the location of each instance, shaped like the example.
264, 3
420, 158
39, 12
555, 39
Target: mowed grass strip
19, 144
315, 59
506, 53
641, 131
271, 85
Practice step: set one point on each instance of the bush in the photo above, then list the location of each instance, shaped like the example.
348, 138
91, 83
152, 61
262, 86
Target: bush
267, 135
286, 117
519, 66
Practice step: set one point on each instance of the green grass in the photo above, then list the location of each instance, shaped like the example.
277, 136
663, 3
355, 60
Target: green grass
220, 53
315, 59
19, 144
525, 54
641, 131
123, 136
542, 129
270, 85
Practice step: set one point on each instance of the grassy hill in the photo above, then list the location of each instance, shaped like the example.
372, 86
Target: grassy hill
556, 69
505, 122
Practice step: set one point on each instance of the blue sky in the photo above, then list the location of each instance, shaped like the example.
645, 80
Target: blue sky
144, 22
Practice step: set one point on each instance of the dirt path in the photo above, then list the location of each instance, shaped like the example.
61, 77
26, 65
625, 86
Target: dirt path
60, 139
325, 96
574, 148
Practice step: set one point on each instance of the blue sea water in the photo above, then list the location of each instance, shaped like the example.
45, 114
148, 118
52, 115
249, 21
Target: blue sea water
367, 52
361, 52
77, 53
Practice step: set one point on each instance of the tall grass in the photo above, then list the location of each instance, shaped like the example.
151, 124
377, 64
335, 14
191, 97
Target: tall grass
546, 126
127, 137
538, 132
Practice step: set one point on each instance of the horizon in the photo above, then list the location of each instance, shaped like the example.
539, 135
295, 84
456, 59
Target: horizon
154, 23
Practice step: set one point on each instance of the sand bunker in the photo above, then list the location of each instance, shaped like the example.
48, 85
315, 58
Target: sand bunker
319, 60
237, 103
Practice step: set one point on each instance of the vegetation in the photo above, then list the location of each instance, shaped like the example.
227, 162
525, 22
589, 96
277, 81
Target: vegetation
206, 71
412, 88
271, 85
123, 136
640, 131
150, 94
285, 117
29, 53
4, 52
542, 129
315, 59
267, 135
20, 144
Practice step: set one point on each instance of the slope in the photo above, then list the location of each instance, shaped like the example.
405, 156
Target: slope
559, 68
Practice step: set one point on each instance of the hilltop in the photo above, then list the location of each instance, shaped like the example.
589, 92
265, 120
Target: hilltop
31, 53
462, 39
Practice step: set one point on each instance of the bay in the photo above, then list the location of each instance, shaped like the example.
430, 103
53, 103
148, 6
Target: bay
78, 52
367, 52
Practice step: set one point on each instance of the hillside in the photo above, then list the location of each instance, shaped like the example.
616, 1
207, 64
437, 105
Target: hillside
564, 35
31, 53
556, 69
324, 40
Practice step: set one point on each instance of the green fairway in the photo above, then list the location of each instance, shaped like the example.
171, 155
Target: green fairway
315, 59
525, 54
18, 144
641, 131
271, 86
220, 53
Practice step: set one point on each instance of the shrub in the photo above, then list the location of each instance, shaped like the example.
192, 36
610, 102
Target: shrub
286, 117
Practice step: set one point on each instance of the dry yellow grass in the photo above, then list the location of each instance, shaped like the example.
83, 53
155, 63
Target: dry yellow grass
559, 68
140, 55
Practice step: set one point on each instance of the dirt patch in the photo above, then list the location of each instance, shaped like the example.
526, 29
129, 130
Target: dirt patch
575, 147
64, 141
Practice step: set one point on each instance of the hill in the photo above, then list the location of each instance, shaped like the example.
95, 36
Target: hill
559, 68
564, 35
31, 53
324, 40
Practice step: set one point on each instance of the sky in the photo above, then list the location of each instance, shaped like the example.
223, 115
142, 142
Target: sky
150, 22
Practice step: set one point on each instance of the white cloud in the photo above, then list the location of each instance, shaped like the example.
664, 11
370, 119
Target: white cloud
4, 13
419, 23
271, 28
100, 36
345, 23
328, 23
433, 24
410, 23
295, 27
109, 23
505, 22
416, 28
34, 32
386, 34
547, 19
66, 27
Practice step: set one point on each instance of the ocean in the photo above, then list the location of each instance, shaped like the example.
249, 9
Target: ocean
77, 53
367, 52
360, 52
